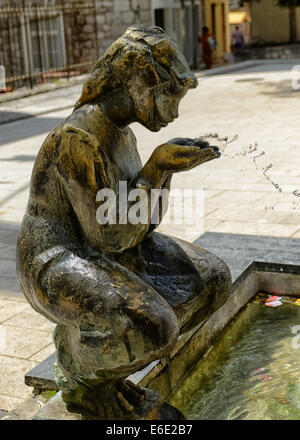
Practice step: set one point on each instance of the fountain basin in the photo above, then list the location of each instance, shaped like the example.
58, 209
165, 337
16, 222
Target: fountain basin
252, 372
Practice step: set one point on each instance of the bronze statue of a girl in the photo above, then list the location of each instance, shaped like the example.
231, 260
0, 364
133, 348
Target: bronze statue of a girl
119, 293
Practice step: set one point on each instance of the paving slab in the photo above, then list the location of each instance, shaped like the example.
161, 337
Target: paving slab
44, 353
240, 251
9, 284
29, 319
37, 104
42, 376
271, 229
26, 409
12, 371
9, 309
9, 403
22, 342
8, 251
3, 413
7, 268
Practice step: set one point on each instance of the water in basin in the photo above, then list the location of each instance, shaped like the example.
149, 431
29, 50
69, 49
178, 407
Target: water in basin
252, 372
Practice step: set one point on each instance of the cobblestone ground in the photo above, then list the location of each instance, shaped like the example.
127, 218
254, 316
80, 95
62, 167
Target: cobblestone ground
258, 104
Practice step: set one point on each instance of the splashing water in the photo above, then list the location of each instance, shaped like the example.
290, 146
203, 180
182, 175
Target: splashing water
222, 143
217, 141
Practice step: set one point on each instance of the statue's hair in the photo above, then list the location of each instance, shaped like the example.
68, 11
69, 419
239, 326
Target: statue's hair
147, 52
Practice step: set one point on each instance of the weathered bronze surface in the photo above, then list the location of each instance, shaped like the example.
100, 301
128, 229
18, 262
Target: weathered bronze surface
120, 294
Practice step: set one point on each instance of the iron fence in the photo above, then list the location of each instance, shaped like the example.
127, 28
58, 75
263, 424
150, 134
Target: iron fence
41, 43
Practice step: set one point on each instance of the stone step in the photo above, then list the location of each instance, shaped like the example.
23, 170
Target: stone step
41, 377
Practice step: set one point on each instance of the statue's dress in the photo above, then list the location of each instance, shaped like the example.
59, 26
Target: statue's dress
120, 294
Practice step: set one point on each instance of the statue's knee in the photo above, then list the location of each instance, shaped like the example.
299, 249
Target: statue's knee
168, 328
159, 326
222, 283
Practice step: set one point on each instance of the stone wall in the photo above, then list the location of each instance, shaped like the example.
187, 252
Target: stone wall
112, 19
79, 37
80, 28
11, 53
88, 30
270, 23
114, 16
284, 51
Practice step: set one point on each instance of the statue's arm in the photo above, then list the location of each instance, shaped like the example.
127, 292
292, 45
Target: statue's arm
151, 176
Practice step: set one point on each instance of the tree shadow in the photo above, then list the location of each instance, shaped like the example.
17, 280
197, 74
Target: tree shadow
280, 89
7, 116
26, 128
242, 80
20, 158
9, 284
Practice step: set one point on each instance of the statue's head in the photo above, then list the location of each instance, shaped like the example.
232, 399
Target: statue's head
149, 65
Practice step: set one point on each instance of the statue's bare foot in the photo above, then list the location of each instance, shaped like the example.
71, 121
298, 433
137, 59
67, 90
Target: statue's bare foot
113, 400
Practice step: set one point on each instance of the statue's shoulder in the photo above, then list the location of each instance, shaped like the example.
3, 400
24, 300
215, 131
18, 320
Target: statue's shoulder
87, 125
76, 130
71, 133
78, 143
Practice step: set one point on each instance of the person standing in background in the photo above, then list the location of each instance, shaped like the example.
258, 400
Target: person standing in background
237, 38
208, 45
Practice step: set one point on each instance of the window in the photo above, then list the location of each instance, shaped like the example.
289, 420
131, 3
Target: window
159, 18
47, 36
43, 42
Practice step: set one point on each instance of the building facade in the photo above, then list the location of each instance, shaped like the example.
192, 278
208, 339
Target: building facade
182, 19
216, 18
270, 23
46, 38
240, 16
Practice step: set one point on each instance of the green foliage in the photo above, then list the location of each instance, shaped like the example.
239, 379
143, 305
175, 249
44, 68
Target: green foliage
279, 411
48, 393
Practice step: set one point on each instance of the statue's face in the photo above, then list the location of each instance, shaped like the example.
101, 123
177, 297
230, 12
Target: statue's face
167, 99
157, 106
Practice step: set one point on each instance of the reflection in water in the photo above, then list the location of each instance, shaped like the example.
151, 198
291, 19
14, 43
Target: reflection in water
253, 372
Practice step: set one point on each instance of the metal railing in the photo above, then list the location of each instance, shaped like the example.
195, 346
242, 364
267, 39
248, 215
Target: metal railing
40, 43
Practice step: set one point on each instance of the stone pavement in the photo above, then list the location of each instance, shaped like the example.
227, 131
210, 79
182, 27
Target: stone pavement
25, 336
38, 104
257, 103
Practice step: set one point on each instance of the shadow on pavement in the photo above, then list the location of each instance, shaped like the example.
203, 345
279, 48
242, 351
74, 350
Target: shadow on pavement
26, 128
20, 158
267, 67
9, 284
280, 89
242, 80
8, 116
